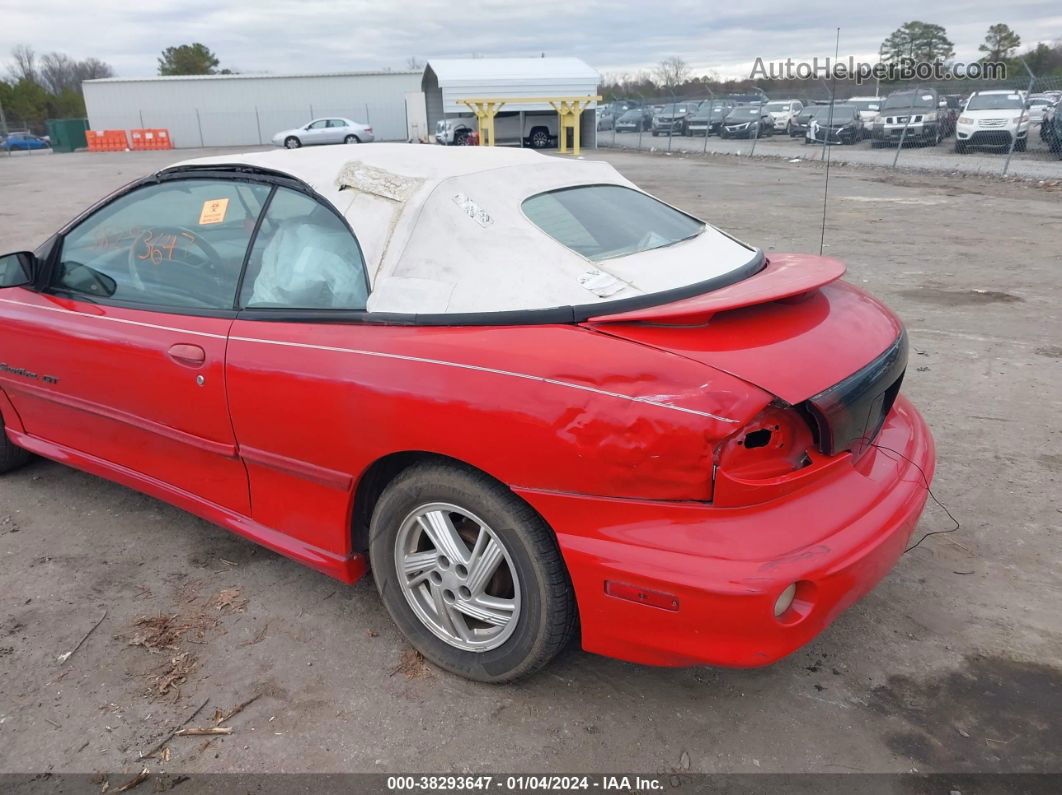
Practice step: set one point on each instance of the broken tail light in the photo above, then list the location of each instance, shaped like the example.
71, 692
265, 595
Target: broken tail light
772, 455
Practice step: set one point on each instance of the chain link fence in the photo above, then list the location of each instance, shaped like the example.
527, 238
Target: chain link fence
920, 126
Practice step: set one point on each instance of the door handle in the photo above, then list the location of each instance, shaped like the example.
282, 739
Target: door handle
188, 355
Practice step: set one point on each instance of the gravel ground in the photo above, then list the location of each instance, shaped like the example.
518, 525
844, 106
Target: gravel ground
951, 664
1036, 164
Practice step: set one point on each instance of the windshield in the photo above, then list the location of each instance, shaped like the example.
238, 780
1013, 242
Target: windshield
776, 107
840, 113
605, 221
744, 113
994, 102
631, 115
909, 99
865, 104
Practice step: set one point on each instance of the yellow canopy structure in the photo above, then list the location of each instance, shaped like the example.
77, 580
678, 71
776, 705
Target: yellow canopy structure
568, 110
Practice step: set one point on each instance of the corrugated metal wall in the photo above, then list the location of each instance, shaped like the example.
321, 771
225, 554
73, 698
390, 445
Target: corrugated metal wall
242, 110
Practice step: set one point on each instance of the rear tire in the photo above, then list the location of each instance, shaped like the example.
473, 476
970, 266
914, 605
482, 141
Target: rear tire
426, 502
291, 142
1021, 145
11, 455
352, 139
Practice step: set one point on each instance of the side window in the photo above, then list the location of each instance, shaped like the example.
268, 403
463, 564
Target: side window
303, 258
336, 123
179, 243
319, 125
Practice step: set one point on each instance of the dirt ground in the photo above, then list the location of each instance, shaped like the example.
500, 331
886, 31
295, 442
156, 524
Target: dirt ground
954, 663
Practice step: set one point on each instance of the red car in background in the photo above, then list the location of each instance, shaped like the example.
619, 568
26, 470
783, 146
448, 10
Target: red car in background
538, 401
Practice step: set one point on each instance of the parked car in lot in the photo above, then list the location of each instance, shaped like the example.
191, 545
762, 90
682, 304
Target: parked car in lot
23, 142
747, 121
993, 119
1039, 105
750, 98
708, 118
338, 360
800, 124
1051, 129
916, 116
540, 130
333, 130
638, 119
609, 113
950, 115
868, 108
671, 120
842, 126
784, 113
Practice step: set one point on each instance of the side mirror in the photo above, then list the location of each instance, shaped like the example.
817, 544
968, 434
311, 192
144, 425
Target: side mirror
16, 270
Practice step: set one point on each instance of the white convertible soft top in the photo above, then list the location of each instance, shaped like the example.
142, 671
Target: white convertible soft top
442, 229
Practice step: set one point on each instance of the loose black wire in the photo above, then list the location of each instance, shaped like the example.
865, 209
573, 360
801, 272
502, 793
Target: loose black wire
933, 496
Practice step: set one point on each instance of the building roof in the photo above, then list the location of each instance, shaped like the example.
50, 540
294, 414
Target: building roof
442, 229
472, 78
463, 70
250, 76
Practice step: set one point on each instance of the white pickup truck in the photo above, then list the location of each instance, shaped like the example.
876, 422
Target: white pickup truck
539, 130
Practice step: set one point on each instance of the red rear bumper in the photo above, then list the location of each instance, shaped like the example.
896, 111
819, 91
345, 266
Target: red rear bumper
727, 566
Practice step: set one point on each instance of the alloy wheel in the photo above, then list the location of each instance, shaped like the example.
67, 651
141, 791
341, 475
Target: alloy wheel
457, 577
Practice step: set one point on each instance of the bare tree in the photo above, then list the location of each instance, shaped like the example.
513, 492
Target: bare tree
58, 72
94, 69
23, 63
671, 72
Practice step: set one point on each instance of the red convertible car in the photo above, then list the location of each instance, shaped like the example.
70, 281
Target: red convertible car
537, 400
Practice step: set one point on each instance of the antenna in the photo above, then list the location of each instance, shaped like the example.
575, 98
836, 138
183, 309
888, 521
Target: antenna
826, 137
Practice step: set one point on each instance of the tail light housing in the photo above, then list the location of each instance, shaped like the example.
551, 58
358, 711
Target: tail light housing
772, 455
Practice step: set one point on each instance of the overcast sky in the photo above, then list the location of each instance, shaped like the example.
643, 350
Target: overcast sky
613, 36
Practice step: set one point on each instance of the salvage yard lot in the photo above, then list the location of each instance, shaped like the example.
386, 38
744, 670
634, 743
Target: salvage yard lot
1038, 162
951, 664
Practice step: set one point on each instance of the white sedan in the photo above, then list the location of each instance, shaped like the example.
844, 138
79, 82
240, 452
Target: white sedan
333, 130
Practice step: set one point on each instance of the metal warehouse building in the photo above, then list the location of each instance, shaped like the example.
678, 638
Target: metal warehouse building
241, 110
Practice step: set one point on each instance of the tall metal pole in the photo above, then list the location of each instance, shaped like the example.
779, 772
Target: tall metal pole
903, 132
756, 135
826, 143
1021, 118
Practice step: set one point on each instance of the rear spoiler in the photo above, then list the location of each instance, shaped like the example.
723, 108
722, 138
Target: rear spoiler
784, 276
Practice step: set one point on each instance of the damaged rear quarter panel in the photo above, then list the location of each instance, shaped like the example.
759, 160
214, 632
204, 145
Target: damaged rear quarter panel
546, 407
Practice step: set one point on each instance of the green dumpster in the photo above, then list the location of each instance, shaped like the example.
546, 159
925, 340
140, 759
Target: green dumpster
67, 134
